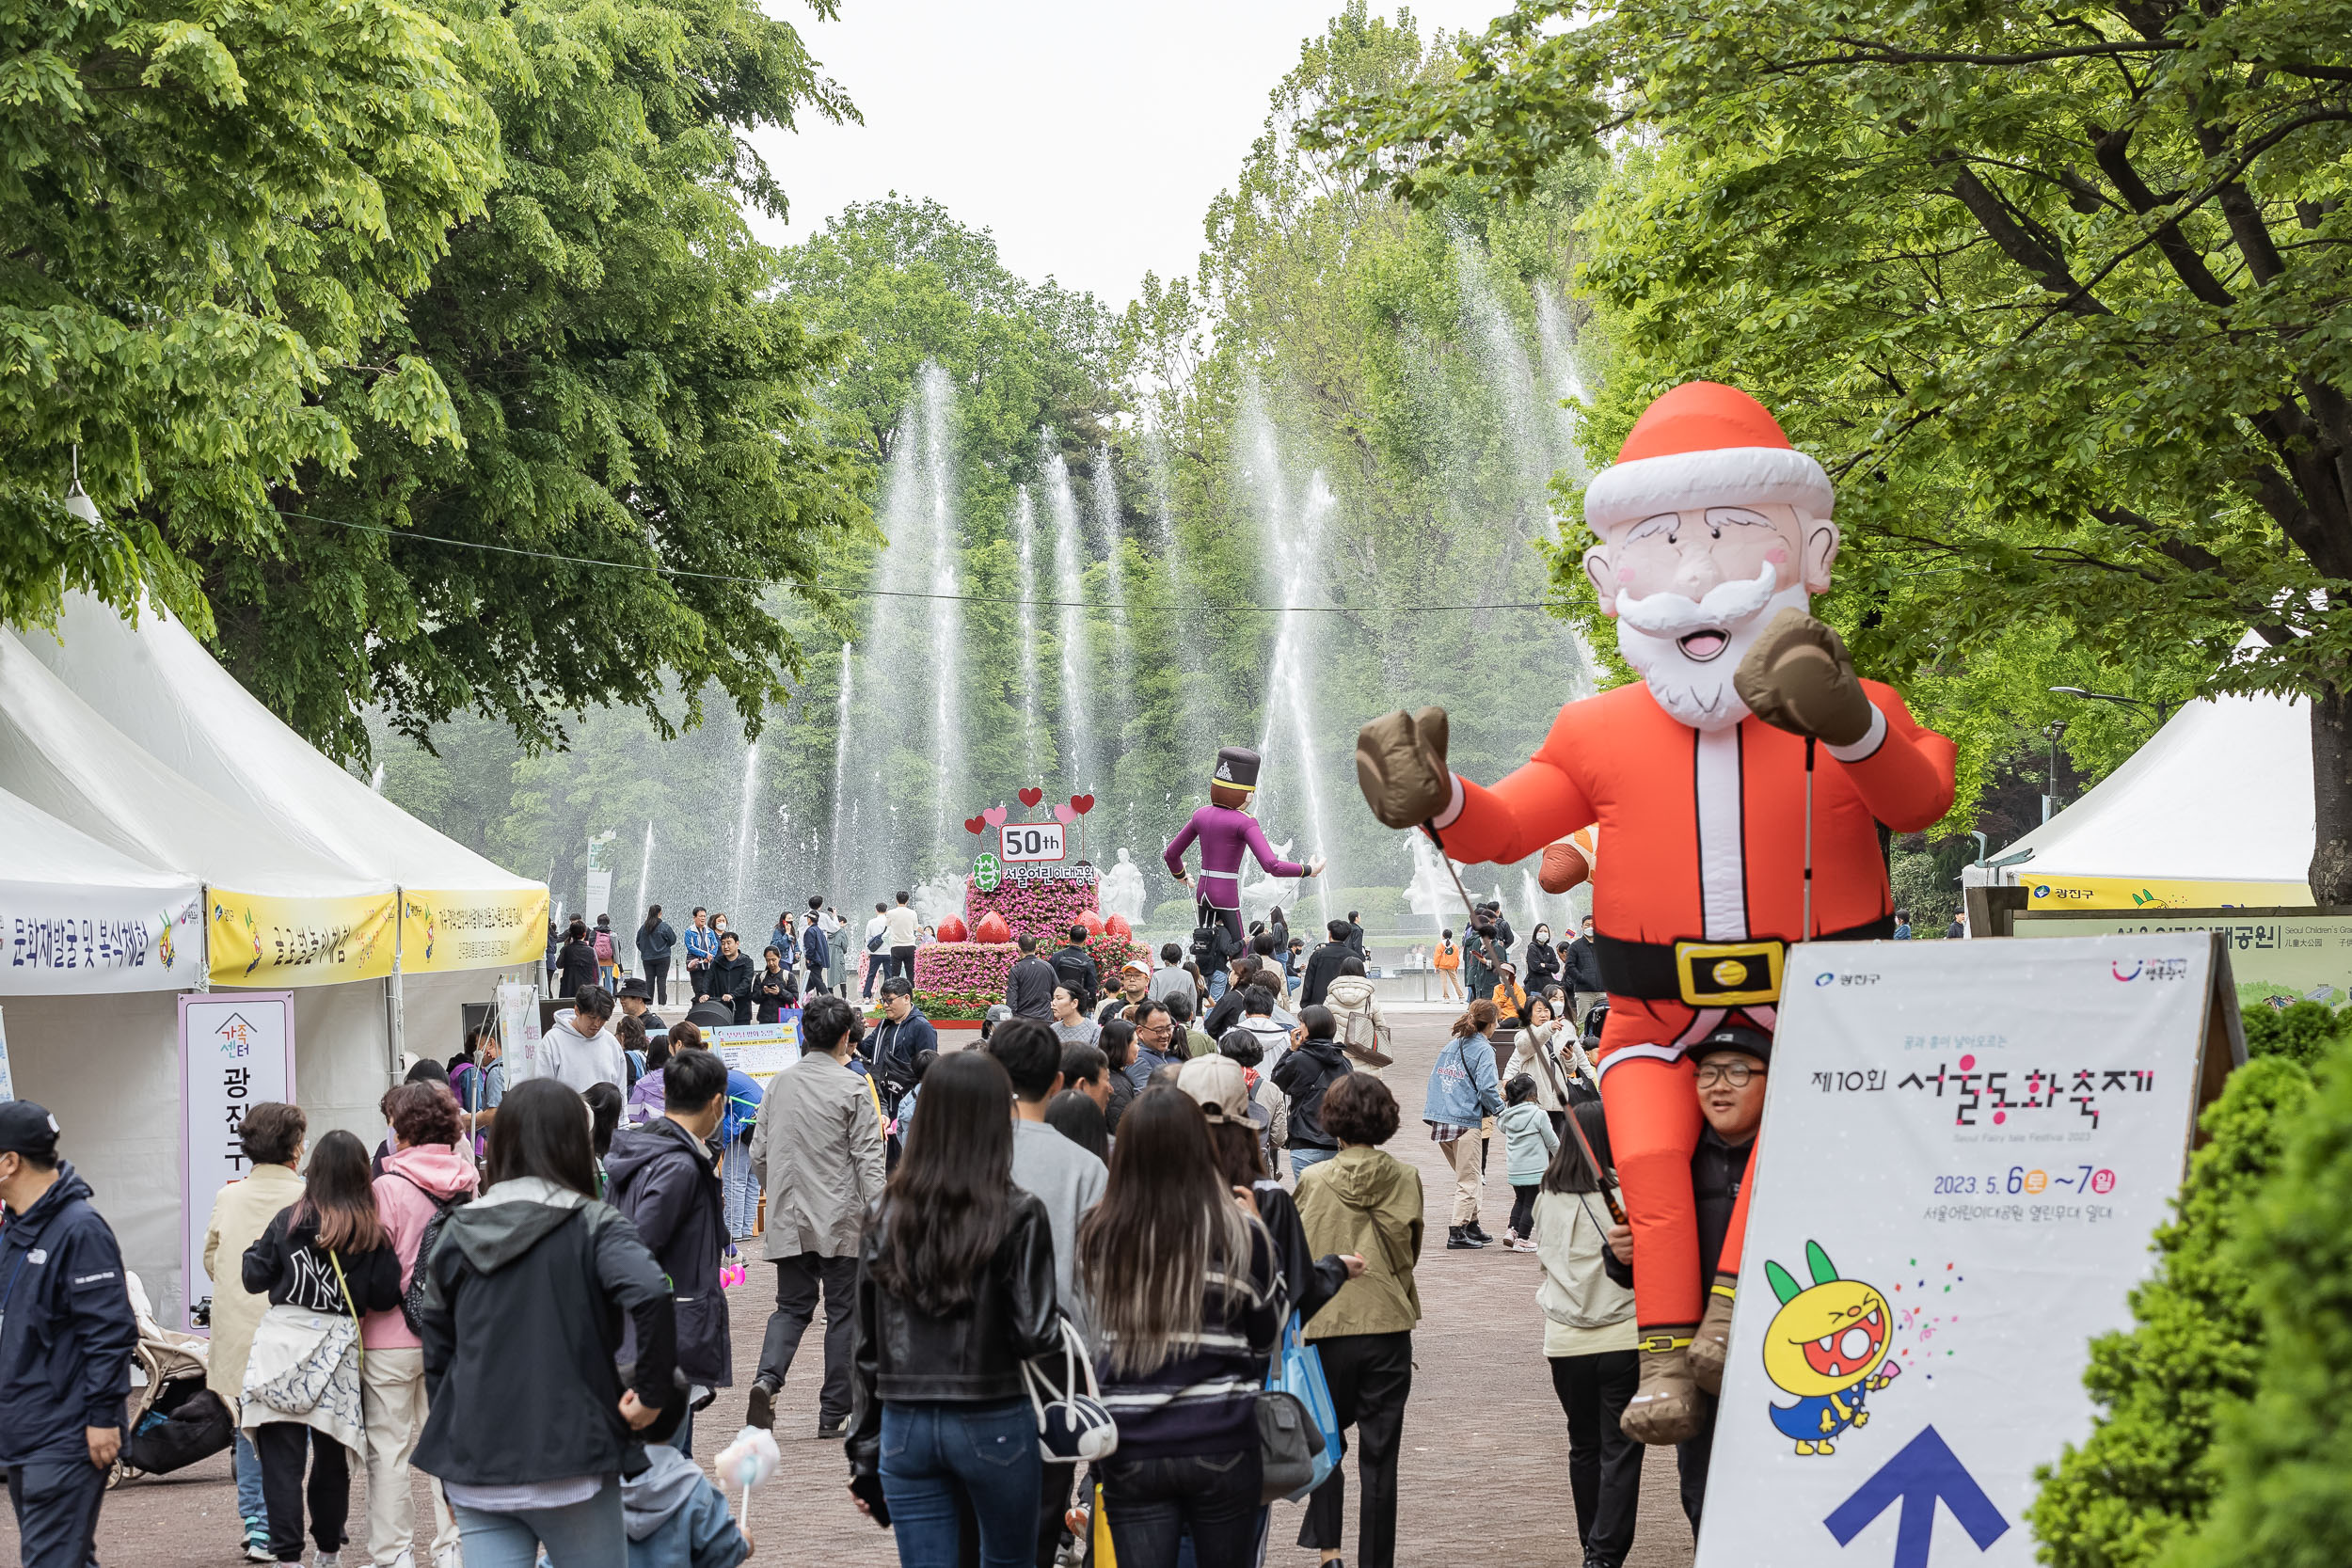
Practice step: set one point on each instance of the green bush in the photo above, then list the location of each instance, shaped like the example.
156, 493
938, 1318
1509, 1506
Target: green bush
2284, 1457
2148, 1472
2300, 1030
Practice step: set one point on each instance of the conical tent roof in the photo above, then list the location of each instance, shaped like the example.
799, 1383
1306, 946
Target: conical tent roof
78, 916
152, 679
279, 912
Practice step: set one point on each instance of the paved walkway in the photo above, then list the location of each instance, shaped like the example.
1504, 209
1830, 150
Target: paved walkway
1484, 1479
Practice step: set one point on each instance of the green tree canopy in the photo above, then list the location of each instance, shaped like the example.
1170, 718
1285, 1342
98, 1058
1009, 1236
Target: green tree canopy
2056, 292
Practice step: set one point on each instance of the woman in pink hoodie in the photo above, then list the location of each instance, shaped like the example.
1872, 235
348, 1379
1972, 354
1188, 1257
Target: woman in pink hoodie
426, 1171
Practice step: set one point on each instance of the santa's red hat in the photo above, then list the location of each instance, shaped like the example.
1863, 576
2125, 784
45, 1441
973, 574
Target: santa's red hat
1704, 444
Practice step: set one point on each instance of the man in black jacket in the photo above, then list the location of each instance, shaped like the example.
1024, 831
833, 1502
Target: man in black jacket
1322, 965
1030, 987
664, 1177
1356, 936
1074, 966
65, 1339
730, 978
1581, 975
1732, 1063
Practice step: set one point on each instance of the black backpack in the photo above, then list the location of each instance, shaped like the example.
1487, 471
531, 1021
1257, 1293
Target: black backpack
412, 1299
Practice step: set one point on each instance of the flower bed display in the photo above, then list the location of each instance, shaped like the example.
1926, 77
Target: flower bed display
957, 1006
1033, 906
956, 973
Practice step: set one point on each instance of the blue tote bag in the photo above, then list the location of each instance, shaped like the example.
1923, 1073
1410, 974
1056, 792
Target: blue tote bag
1298, 1370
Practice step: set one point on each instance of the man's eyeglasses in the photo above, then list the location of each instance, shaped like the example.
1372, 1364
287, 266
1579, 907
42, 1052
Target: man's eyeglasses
1734, 1074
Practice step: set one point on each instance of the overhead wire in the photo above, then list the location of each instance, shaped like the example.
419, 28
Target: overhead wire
657, 569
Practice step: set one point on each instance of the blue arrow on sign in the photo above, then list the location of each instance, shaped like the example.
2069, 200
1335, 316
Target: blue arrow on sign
1925, 1470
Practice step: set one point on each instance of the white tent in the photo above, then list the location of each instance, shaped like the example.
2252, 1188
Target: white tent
2215, 809
78, 917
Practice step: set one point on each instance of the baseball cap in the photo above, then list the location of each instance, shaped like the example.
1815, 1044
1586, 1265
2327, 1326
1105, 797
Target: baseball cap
27, 1129
1740, 1038
1137, 965
1219, 1085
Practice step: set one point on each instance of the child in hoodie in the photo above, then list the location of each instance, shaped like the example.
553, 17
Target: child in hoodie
1529, 1141
424, 1171
673, 1516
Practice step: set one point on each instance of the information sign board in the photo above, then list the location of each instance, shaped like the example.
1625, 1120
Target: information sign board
1032, 841
236, 1052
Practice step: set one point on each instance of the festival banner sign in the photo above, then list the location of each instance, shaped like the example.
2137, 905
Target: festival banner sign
2158, 892
2277, 955
260, 941
518, 1031
761, 1049
447, 929
98, 939
235, 1052
1966, 1147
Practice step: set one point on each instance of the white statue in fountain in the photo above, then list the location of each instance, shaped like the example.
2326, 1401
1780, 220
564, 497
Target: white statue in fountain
1261, 892
938, 898
1122, 892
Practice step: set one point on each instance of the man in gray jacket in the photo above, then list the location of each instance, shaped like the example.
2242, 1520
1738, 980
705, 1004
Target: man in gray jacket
819, 1154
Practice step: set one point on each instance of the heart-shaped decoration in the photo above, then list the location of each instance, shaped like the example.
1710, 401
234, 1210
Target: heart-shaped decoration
993, 816
1031, 797
1064, 816
1081, 804
976, 824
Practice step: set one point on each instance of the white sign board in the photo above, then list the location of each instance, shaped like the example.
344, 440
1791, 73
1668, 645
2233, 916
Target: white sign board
518, 1031
89, 941
761, 1049
236, 1052
1032, 841
599, 896
1965, 1148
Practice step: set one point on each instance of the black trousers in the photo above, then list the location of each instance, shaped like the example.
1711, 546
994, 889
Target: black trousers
699, 979
902, 963
1052, 1504
1154, 1504
1604, 1465
282, 1446
1371, 1377
799, 1279
1523, 1208
658, 977
1691, 1460
56, 1503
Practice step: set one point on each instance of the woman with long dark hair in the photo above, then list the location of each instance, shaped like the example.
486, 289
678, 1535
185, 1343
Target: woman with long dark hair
954, 1289
1188, 1301
328, 1254
526, 1288
1589, 1339
575, 962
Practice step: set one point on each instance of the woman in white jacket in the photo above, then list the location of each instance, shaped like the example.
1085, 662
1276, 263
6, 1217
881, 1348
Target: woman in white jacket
1589, 1339
1356, 1014
1548, 1051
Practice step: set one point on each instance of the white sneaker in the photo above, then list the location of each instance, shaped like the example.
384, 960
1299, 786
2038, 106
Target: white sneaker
330, 1559
452, 1557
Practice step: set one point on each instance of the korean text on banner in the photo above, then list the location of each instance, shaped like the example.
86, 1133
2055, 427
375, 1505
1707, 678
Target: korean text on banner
441, 930
1965, 1148
235, 1052
104, 941
259, 941
761, 1049
2277, 955
2058, 892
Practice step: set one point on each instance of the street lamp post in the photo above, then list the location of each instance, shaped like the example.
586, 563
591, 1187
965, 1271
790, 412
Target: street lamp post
2163, 709
2055, 728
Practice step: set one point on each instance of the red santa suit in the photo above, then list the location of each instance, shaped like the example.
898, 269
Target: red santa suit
1706, 885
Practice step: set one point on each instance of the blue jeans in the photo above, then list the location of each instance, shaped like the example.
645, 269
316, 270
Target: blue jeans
1302, 1158
934, 1456
1157, 1505
249, 1462
584, 1535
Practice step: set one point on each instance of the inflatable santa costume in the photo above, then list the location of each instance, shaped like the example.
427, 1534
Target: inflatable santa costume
1714, 532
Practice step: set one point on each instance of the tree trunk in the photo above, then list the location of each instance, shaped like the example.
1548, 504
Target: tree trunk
2331, 794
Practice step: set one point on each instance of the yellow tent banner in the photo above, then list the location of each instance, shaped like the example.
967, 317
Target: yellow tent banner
472, 928
258, 941
2137, 893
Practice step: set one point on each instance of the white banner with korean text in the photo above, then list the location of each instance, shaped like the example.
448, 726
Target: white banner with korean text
236, 1052
1965, 1148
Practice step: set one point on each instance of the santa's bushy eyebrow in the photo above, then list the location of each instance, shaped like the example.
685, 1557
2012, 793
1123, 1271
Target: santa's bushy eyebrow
1666, 523
1720, 516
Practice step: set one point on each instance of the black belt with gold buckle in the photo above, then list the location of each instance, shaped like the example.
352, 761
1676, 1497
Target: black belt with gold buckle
1708, 974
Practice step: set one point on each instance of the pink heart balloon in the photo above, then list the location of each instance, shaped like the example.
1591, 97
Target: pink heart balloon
1064, 816
993, 816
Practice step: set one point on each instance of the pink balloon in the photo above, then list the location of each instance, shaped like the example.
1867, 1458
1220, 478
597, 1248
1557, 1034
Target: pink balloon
1064, 816
993, 816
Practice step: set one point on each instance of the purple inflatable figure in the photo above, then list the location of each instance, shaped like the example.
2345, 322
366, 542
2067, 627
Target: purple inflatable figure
1224, 829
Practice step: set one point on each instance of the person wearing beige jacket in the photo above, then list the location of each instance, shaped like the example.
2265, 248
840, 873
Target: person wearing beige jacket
273, 1135
1365, 1201
818, 1150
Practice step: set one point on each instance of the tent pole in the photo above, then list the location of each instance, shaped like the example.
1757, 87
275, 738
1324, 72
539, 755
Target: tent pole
394, 1024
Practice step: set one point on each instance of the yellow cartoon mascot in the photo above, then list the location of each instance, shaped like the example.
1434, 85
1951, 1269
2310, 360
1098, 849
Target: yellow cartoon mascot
1827, 1345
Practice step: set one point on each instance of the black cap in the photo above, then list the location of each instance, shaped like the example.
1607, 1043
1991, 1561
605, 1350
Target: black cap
1740, 1038
1236, 765
635, 985
27, 1129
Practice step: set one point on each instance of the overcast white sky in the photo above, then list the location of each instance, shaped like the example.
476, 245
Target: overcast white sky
1089, 134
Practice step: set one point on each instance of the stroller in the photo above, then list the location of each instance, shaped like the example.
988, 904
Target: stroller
174, 1418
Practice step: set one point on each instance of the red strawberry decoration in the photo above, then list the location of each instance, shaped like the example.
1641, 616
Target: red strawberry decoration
1092, 921
953, 929
1117, 926
992, 928
1031, 797
976, 824
1082, 804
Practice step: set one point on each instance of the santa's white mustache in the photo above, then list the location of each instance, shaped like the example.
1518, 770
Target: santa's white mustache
1726, 604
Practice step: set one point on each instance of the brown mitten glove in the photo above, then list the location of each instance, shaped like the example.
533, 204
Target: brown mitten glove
1800, 678
1399, 766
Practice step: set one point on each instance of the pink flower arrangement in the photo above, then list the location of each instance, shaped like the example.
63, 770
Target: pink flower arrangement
1038, 906
964, 966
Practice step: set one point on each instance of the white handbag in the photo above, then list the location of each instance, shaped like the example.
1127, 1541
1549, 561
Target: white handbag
1073, 1423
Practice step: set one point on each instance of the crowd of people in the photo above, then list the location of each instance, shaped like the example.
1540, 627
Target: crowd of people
1157, 1179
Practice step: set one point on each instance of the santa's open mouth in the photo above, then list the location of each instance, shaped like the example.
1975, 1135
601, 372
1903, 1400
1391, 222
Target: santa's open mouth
1848, 1349
1700, 646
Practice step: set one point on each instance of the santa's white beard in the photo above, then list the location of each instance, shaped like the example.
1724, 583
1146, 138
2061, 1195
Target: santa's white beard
1700, 693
